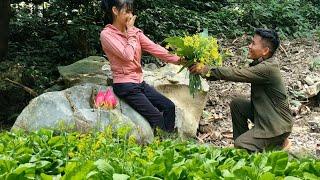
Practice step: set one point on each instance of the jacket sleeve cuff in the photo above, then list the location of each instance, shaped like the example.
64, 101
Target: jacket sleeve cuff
212, 74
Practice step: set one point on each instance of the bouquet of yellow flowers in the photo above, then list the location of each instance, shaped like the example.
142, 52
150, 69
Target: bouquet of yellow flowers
198, 48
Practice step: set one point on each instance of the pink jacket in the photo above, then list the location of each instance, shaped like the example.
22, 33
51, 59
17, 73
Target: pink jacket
124, 53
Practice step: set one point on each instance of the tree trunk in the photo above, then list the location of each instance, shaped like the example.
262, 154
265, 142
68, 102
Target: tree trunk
4, 27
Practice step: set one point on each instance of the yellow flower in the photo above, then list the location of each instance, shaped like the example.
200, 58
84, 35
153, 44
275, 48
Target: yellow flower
157, 141
81, 146
202, 60
123, 131
101, 136
188, 41
71, 154
97, 145
150, 153
214, 54
196, 41
132, 140
108, 132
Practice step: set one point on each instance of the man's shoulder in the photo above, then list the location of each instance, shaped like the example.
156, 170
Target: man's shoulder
271, 63
273, 68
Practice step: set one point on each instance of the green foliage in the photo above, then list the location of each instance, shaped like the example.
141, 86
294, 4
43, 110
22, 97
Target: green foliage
47, 155
230, 18
290, 17
61, 30
55, 33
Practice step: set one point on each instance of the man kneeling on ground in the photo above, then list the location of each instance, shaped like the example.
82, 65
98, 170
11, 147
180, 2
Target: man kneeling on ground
268, 107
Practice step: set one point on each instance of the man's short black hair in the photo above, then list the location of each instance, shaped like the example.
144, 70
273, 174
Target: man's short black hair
270, 37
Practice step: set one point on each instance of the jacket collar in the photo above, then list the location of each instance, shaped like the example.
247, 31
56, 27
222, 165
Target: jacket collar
258, 61
113, 29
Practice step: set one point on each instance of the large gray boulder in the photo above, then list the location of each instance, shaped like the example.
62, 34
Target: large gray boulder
93, 69
96, 70
70, 109
45, 111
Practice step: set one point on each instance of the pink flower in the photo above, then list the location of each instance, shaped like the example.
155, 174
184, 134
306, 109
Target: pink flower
99, 100
106, 99
110, 99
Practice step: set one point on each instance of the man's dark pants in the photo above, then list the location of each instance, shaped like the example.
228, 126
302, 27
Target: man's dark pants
156, 108
241, 111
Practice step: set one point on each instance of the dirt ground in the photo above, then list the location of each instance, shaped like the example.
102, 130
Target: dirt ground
295, 58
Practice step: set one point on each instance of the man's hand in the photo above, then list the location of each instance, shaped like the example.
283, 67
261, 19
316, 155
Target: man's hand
130, 22
199, 68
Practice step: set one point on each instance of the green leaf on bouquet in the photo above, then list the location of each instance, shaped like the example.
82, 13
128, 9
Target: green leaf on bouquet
187, 52
175, 42
204, 33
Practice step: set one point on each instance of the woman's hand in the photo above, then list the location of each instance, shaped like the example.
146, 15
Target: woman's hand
130, 21
181, 61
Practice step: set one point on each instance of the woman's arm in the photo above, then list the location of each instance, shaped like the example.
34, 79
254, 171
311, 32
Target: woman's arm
157, 50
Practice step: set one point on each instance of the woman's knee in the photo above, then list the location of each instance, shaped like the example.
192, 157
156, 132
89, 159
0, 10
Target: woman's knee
169, 105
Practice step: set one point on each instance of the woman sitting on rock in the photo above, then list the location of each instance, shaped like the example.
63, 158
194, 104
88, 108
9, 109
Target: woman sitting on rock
123, 45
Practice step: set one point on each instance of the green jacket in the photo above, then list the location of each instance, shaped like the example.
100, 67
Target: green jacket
272, 116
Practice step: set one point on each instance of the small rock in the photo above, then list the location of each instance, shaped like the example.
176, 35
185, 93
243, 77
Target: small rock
150, 66
298, 85
309, 81
314, 127
282, 71
316, 119
313, 90
208, 128
286, 68
203, 122
295, 107
316, 78
304, 110
215, 135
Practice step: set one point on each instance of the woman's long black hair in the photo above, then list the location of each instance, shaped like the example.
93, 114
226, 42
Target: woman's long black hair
106, 6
